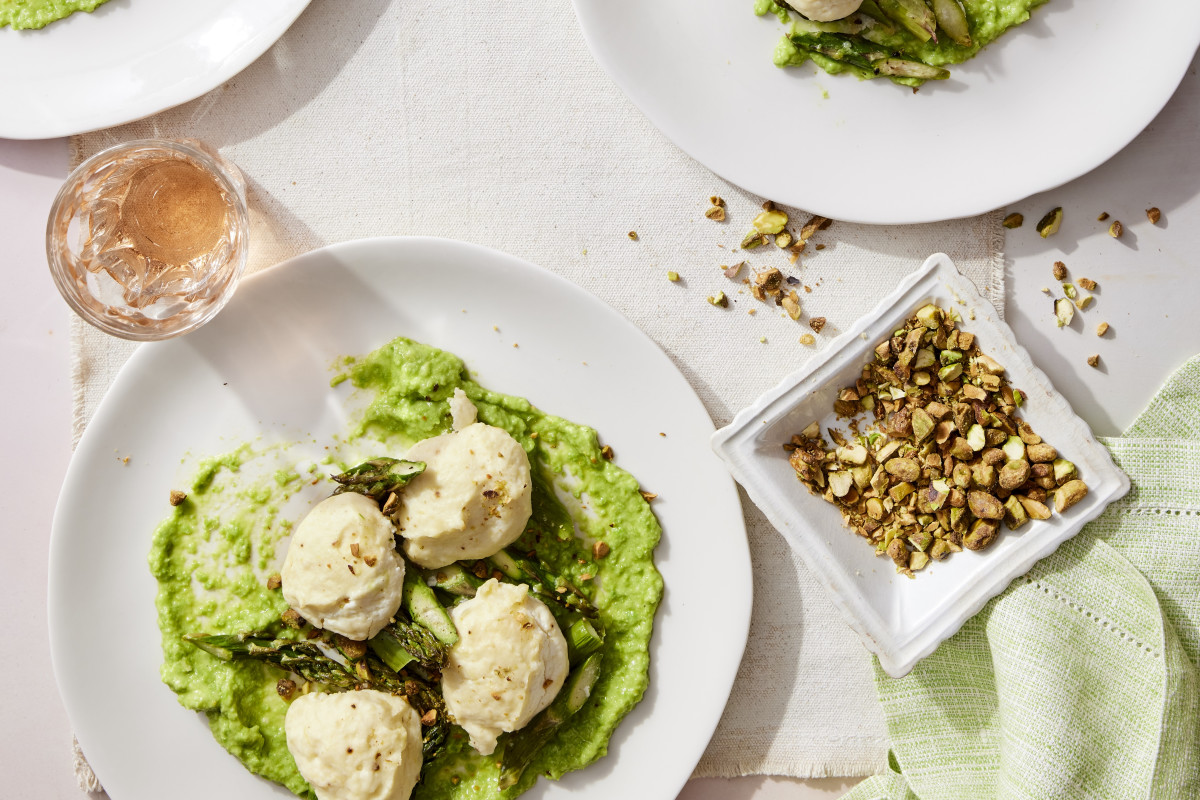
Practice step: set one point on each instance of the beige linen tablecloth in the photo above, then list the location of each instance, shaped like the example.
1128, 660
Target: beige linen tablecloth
383, 118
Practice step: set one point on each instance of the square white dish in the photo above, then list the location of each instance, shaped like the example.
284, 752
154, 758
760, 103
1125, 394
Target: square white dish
902, 620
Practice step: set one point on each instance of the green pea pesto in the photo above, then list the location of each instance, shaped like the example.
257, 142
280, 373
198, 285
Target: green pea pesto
21, 14
986, 19
230, 555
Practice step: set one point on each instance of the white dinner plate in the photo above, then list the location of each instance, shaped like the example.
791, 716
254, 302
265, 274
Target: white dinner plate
261, 370
129, 59
1047, 102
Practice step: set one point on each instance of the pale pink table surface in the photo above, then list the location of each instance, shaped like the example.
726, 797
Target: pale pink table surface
1150, 281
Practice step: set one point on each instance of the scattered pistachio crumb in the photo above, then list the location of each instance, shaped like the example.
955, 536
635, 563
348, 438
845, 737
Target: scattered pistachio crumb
1154, 215
752, 240
752, 311
732, 272
1116, 229
1084, 302
1060, 271
1094, 360
762, 340
647, 496
770, 222
274, 581
817, 323
719, 299
1088, 283
716, 213
1103, 216
1013, 221
633, 235
716, 201
177, 497
819, 246
607, 452
1102, 329
1049, 224
672, 276
808, 339
600, 550
1069, 291
783, 239
1045, 290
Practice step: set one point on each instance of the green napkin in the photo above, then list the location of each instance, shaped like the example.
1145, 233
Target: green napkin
1081, 680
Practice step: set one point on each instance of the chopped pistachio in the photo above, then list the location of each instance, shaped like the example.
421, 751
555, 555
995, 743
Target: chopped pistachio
1060, 271
791, 304
732, 272
1116, 229
1064, 311
1018, 397
716, 213
1041, 453
919, 560
716, 201
808, 339
982, 534
1103, 216
1083, 302
752, 240
1064, 470
1069, 494
719, 299
672, 276
1049, 224
1102, 329
633, 235
817, 324
1093, 360
1014, 449
177, 497
783, 239
1070, 291
1154, 215
770, 221
930, 316
1013, 221
1015, 514
1034, 508
976, 437
1088, 283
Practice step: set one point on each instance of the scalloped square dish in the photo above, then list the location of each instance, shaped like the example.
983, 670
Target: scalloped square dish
902, 620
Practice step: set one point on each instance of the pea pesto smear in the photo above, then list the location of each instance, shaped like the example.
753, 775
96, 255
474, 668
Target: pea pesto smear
214, 554
21, 14
904, 40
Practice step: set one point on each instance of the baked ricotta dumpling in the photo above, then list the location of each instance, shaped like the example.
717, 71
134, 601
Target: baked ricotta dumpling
473, 498
360, 745
509, 662
342, 572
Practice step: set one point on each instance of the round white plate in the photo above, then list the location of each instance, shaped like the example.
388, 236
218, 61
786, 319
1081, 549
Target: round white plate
1047, 102
262, 369
129, 59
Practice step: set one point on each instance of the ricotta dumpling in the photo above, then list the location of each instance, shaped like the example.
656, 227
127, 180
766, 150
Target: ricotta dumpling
473, 498
509, 663
825, 10
360, 745
342, 571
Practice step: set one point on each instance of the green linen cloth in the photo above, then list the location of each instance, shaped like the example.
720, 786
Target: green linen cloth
1081, 679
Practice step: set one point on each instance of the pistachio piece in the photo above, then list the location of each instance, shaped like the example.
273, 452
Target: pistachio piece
1103, 216
716, 201
898, 552
633, 235
1093, 360
918, 561
984, 505
817, 324
1083, 302
1014, 474
752, 240
1014, 448
1069, 494
1154, 215
906, 469
901, 491
1060, 271
1088, 283
719, 299
1069, 291
673, 276
1041, 453
1014, 513
840, 483
1102, 329
930, 316
808, 339
921, 540
791, 304
983, 476
732, 272
922, 424
772, 222
940, 550
976, 437
1034, 508
716, 213
1013, 221
961, 476
982, 534
853, 454
783, 240
1116, 229
811, 431
1063, 470
1064, 312
1049, 224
